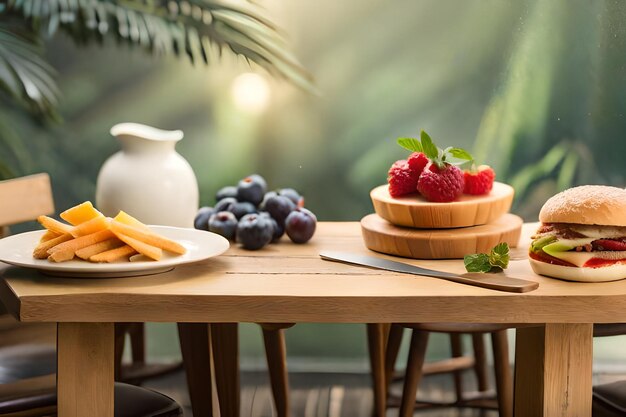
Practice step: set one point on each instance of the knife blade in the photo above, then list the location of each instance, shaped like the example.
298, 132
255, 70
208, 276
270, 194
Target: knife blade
498, 282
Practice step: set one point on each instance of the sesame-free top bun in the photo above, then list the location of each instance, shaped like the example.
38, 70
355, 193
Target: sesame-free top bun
587, 204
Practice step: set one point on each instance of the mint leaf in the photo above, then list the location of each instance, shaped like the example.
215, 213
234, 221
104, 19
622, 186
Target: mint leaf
430, 150
478, 262
459, 153
410, 144
499, 256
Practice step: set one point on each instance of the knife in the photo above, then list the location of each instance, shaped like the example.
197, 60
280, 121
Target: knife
499, 281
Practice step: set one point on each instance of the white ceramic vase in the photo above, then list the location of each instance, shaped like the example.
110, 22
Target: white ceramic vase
148, 179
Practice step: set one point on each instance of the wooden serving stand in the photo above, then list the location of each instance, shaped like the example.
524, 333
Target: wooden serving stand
381, 236
414, 211
413, 227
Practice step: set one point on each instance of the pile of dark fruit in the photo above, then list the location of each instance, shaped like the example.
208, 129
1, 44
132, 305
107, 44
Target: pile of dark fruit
254, 217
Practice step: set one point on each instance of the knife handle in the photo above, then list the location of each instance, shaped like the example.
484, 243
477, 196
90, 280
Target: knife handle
497, 282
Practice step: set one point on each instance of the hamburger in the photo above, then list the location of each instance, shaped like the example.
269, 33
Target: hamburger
582, 236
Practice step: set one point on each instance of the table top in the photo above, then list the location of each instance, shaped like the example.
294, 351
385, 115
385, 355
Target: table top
286, 282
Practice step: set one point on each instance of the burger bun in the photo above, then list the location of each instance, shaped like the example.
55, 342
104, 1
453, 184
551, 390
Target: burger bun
587, 204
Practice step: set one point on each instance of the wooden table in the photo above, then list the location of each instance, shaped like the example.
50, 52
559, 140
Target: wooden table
290, 283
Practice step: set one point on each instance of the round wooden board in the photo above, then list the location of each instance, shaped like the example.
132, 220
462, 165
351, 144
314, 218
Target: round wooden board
414, 211
381, 236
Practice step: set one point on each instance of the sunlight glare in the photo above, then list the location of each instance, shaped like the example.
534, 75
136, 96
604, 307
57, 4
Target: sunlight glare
250, 92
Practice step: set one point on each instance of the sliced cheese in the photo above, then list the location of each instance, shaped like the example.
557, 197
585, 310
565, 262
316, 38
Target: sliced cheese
580, 258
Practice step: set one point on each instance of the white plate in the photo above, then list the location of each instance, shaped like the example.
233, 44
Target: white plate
18, 250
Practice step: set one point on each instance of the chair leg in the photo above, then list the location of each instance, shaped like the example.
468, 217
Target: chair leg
195, 347
120, 339
504, 379
225, 341
457, 351
276, 354
376, 342
137, 333
391, 354
480, 361
417, 353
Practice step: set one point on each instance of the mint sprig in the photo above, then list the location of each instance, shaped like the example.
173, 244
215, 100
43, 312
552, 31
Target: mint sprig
497, 259
438, 156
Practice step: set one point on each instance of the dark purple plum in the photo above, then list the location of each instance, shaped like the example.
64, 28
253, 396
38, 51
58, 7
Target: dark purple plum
300, 225
251, 189
226, 192
279, 229
223, 223
201, 221
293, 195
241, 208
224, 204
254, 231
266, 197
279, 208
259, 180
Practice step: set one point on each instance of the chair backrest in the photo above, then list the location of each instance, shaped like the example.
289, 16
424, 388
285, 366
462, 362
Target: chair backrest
23, 199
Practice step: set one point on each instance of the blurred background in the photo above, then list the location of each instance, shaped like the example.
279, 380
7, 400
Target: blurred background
535, 88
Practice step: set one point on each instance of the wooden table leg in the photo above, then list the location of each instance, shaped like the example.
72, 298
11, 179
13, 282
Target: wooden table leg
85, 369
195, 348
276, 353
225, 341
377, 335
553, 370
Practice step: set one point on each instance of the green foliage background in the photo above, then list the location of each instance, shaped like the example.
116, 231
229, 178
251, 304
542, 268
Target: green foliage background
535, 88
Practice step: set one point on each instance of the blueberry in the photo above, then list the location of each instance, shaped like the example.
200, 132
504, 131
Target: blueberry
223, 223
251, 189
201, 222
225, 192
224, 203
241, 208
279, 208
279, 229
254, 231
293, 195
266, 197
300, 225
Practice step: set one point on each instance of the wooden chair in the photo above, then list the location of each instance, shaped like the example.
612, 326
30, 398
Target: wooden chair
138, 370
28, 350
609, 400
23, 199
36, 397
198, 340
384, 343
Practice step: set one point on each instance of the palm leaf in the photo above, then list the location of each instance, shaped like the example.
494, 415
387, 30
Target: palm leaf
24, 74
190, 27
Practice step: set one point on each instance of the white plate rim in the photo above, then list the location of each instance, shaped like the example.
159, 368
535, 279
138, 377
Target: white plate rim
200, 245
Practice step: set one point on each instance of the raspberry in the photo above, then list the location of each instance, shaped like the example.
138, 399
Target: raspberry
401, 178
440, 184
417, 161
479, 182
